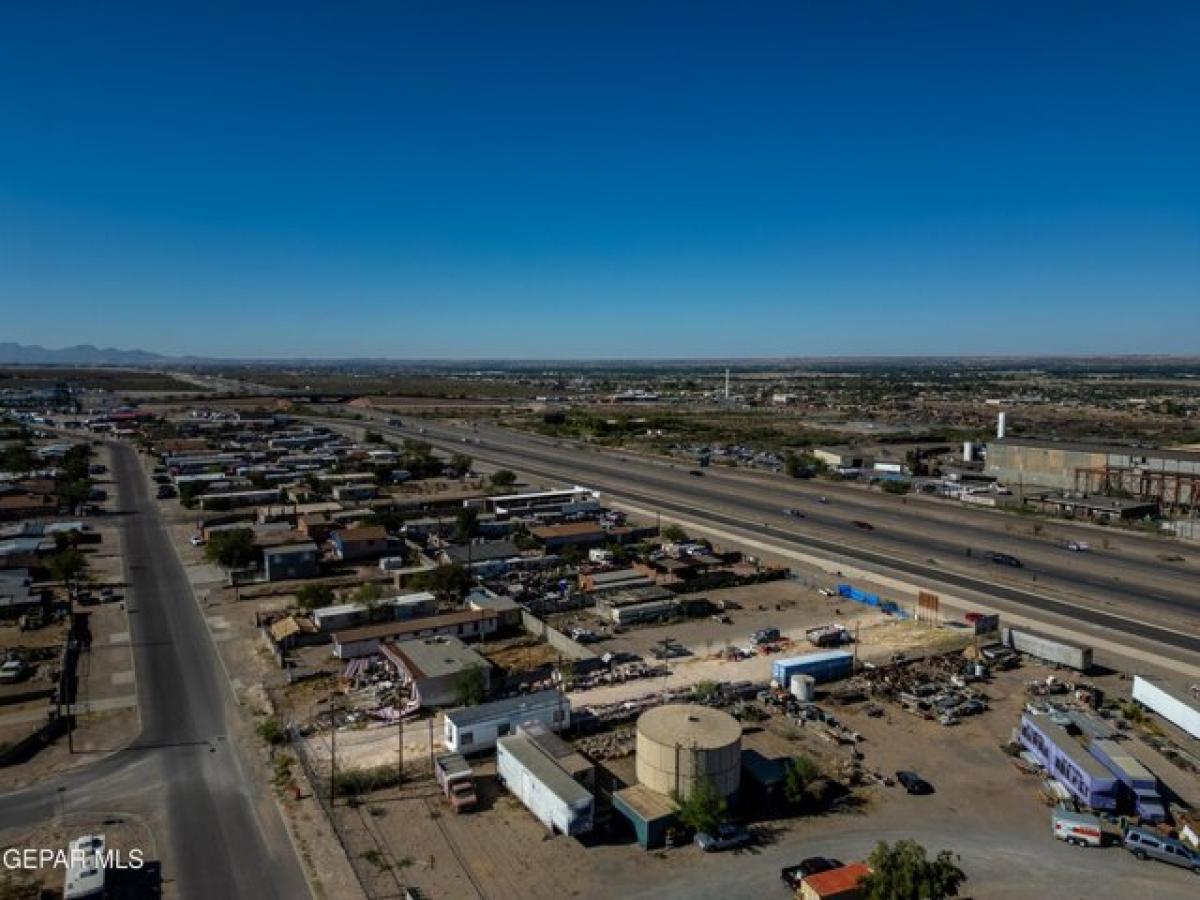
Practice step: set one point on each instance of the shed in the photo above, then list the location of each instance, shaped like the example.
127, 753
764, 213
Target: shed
649, 812
835, 884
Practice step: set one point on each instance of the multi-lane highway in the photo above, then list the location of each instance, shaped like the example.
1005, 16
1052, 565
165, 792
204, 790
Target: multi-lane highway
184, 769
1135, 585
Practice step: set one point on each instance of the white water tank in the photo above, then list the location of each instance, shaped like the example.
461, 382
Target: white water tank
803, 687
968, 451
681, 743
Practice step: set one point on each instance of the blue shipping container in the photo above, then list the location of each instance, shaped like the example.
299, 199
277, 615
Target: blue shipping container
828, 666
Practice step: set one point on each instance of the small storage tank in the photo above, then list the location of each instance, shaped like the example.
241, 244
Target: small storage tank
968, 451
803, 687
681, 743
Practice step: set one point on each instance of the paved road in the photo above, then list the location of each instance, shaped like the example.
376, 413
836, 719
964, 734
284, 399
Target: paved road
1138, 601
222, 843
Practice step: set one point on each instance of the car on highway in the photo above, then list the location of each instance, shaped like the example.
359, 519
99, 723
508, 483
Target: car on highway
1078, 546
914, 783
823, 500
814, 865
696, 472
865, 526
727, 837
1005, 559
793, 512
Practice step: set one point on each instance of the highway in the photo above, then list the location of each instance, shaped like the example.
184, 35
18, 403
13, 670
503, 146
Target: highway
224, 839
1126, 587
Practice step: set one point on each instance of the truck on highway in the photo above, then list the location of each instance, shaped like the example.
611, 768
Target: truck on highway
456, 780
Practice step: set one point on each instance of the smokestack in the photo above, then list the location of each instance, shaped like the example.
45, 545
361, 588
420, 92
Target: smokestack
1000, 425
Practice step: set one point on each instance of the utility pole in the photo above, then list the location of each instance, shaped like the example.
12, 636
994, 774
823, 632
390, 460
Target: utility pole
400, 751
332, 750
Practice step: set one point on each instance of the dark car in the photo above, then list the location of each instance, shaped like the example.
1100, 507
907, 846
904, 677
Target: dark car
814, 865
865, 526
914, 783
165, 492
697, 473
793, 512
1004, 559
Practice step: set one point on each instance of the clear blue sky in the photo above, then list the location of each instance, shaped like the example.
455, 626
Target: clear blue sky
519, 179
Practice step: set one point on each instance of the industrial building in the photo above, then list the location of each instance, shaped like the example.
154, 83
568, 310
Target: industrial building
680, 744
431, 667
365, 641
475, 728
1170, 478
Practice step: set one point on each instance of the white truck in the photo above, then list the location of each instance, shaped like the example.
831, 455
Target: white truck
457, 781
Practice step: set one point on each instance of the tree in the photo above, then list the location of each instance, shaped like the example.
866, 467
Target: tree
369, 595
703, 809
314, 596
447, 583
233, 549
460, 464
470, 687
75, 493
902, 872
673, 533
67, 565
466, 524
503, 478
791, 464
800, 772
893, 486
17, 458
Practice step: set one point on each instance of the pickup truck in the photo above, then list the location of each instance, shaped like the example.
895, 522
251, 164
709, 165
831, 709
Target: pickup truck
456, 780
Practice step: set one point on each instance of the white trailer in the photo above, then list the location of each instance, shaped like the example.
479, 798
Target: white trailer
1175, 704
475, 728
554, 797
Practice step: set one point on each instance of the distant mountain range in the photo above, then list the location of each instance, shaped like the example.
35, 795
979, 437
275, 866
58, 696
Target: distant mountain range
79, 355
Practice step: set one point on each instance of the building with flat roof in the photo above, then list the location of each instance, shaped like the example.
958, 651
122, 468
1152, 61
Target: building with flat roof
1065, 759
1170, 478
365, 641
431, 667
288, 561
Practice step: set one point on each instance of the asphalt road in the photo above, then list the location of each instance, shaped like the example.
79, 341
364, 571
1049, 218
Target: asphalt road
181, 768
1126, 588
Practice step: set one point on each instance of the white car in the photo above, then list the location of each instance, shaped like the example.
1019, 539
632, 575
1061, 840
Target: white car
1078, 546
197, 540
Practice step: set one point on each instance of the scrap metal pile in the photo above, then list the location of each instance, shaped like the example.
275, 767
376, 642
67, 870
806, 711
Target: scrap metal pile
935, 687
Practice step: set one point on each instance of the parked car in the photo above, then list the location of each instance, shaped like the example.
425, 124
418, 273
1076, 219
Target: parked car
865, 526
1146, 844
727, 837
913, 783
197, 540
1005, 559
814, 865
14, 670
165, 492
764, 636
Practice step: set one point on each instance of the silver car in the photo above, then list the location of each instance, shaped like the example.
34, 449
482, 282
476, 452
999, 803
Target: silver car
1145, 844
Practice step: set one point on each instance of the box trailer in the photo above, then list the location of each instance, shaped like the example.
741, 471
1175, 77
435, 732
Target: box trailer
1175, 704
1054, 650
828, 666
557, 800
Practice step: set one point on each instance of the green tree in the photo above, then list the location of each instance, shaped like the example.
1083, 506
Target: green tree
233, 549
792, 465
470, 686
703, 809
800, 772
314, 596
903, 872
460, 464
17, 458
673, 533
67, 565
75, 493
466, 524
892, 486
503, 478
448, 583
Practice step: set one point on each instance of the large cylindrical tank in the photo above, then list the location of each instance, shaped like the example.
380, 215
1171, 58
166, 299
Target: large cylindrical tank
681, 743
968, 451
803, 687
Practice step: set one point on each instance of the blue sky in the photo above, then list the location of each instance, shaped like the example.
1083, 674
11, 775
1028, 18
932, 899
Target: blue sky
525, 179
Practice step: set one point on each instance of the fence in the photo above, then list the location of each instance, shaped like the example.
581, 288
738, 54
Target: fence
555, 638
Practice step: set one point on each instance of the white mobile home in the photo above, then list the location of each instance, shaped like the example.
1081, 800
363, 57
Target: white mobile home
475, 728
557, 800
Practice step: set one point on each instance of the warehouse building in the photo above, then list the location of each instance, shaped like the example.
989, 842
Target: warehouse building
1170, 478
431, 667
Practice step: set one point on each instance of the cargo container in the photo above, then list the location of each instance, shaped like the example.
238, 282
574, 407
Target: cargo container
1173, 703
1054, 650
828, 666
